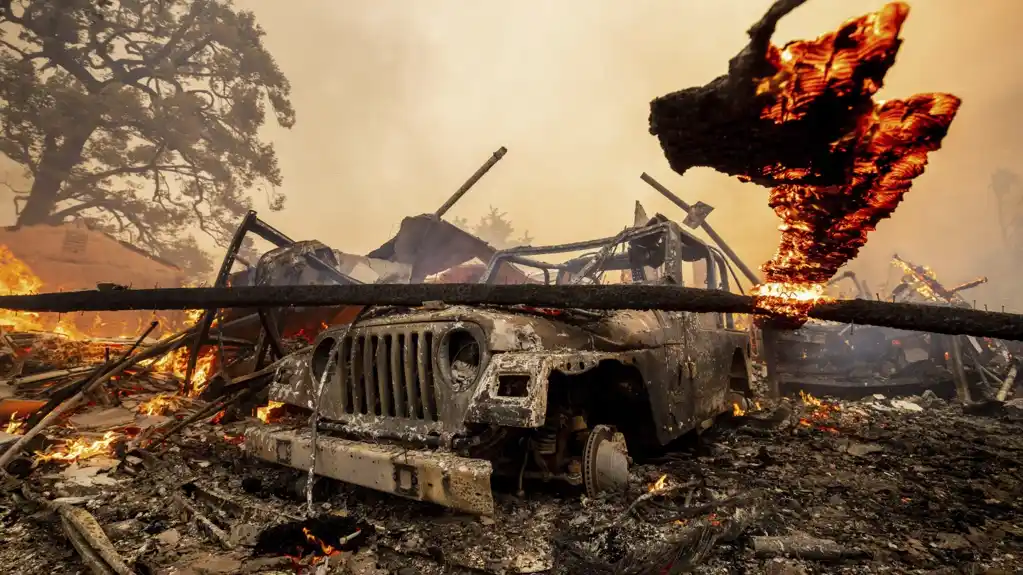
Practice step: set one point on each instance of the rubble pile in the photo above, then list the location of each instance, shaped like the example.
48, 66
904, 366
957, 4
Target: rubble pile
910, 485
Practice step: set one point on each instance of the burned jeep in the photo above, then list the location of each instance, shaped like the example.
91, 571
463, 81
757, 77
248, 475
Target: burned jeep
429, 403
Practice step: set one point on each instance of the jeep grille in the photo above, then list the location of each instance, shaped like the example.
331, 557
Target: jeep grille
389, 374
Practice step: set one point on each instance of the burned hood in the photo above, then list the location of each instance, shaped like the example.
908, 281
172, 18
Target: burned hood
431, 245
510, 329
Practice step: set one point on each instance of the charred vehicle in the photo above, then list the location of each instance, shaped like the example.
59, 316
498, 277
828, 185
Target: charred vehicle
429, 403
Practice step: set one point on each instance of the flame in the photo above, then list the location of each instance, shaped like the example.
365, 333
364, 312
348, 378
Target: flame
176, 363
15, 426
271, 412
79, 448
821, 413
203, 370
326, 549
218, 417
16, 278
737, 411
659, 485
828, 206
160, 404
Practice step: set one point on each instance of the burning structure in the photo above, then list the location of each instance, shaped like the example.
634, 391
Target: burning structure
857, 361
74, 257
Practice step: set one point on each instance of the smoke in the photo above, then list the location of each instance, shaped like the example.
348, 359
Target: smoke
399, 102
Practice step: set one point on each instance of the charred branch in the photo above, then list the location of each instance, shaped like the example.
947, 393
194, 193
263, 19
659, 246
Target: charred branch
908, 316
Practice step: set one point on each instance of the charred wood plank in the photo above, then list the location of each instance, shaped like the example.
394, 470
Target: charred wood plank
907, 316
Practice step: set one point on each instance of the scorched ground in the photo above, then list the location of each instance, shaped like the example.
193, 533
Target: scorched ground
898, 486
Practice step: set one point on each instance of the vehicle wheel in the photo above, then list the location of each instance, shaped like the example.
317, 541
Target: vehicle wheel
605, 462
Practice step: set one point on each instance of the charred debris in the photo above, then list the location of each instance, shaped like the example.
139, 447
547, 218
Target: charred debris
438, 405
213, 422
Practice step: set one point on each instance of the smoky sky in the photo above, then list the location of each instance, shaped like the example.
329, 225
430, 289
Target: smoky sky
399, 102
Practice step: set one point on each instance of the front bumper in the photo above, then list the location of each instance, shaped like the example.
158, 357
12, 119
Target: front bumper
456, 482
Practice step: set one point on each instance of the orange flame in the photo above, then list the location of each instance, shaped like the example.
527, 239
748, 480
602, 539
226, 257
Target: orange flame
821, 414
737, 410
79, 448
270, 412
660, 485
326, 549
176, 363
887, 143
160, 404
15, 426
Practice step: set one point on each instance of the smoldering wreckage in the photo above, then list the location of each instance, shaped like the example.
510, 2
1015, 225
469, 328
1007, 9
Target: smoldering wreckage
606, 406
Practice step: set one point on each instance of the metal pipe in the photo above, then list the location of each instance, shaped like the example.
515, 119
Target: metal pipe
471, 181
749, 273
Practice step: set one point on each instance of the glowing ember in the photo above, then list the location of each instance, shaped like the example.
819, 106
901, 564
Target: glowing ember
79, 448
659, 485
737, 411
160, 405
16, 425
234, 439
788, 299
826, 219
216, 419
270, 412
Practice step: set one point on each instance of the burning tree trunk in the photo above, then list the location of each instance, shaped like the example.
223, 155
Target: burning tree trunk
801, 119
917, 317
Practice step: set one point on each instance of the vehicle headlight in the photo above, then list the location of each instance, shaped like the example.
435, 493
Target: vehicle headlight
461, 355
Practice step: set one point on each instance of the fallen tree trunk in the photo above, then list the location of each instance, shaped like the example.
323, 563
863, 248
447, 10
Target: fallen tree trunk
907, 316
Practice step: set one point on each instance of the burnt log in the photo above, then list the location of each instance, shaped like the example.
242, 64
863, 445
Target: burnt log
907, 316
802, 547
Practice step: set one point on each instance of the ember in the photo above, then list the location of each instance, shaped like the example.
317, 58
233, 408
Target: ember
886, 147
234, 439
79, 448
216, 419
270, 412
789, 299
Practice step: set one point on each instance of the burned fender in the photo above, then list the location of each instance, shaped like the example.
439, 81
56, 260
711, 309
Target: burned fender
292, 384
513, 389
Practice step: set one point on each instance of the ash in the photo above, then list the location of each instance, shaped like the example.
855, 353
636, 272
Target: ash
880, 485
